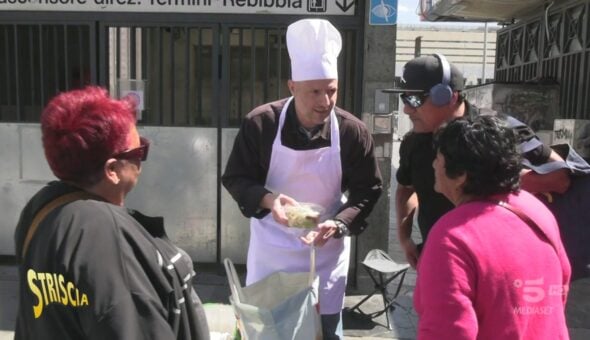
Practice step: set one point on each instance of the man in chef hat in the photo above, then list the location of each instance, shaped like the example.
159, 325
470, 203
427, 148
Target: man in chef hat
305, 149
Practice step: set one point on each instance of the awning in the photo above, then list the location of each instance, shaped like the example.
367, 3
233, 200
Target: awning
479, 10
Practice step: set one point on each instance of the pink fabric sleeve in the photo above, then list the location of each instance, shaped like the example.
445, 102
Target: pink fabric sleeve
447, 283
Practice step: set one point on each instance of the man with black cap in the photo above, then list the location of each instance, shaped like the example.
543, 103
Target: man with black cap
305, 149
431, 92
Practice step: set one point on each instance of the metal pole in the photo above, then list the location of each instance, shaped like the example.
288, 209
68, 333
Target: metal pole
485, 52
418, 46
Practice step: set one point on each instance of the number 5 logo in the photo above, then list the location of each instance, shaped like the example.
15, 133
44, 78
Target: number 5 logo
533, 293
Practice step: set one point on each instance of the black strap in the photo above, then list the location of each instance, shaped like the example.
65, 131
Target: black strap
49, 207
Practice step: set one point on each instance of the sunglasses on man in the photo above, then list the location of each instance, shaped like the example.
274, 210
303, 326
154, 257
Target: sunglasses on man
414, 100
141, 152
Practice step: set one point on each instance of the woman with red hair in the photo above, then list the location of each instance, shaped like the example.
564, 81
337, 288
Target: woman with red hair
89, 268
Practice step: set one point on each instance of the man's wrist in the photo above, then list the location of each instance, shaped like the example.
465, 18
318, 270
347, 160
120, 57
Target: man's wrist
267, 200
341, 229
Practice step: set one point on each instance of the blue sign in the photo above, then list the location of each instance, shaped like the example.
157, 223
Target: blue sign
383, 12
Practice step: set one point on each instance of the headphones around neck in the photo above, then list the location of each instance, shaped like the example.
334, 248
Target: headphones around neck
441, 94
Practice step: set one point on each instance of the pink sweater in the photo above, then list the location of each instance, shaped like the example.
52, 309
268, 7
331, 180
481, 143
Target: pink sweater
485, 274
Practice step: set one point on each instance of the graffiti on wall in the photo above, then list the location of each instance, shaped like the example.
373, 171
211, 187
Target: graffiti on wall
535, 105
575, 132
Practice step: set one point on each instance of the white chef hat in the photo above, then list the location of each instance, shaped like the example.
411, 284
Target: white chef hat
313, 45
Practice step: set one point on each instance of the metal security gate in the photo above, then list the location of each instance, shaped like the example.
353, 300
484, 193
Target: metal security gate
553, 46
178, 66
38, 60
199, 75
208, 75
175, 69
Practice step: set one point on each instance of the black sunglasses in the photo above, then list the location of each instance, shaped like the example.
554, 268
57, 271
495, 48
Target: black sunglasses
414, 100
140, 152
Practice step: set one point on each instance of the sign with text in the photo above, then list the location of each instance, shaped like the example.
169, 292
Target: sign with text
294, 7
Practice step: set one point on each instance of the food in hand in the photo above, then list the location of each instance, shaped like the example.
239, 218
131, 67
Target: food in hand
302, 216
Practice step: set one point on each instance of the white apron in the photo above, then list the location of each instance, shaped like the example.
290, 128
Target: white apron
308, 176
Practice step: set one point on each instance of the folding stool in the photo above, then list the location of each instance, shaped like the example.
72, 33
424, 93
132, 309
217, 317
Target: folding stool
379, 266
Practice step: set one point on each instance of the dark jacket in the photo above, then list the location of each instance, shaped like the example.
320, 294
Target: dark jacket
93, 271
248, 164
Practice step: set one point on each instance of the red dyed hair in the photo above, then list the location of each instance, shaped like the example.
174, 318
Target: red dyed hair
81, 129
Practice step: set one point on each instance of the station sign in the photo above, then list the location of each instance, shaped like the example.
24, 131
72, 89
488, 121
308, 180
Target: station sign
293, 7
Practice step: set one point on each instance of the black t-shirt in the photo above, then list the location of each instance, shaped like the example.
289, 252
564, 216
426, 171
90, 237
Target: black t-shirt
415, 169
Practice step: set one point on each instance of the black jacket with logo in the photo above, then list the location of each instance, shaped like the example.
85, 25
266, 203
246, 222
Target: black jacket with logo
94, 270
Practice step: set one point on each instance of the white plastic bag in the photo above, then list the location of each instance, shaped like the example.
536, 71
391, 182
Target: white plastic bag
281, 306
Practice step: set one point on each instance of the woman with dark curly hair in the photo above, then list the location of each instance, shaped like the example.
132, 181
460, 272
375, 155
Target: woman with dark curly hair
493, 267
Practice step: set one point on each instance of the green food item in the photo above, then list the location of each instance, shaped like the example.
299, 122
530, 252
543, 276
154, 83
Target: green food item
302, 216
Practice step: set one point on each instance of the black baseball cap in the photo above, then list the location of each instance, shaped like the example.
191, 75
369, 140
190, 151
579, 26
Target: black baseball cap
422, 73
